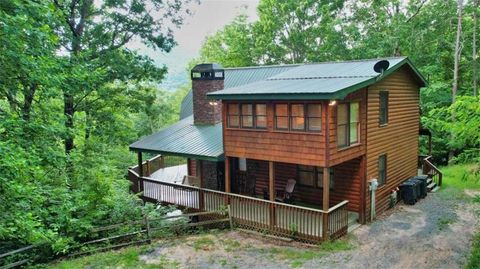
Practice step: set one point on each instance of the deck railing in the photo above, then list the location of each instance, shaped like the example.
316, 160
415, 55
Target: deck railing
300, 223
430, 169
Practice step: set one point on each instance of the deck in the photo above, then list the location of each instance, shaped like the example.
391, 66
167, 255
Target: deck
297, 222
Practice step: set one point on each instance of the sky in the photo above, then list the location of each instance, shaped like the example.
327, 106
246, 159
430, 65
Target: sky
208, 17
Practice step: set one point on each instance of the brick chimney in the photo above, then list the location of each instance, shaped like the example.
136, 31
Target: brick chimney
206, 78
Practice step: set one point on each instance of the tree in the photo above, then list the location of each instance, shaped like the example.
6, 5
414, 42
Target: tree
94, 36
474, 47
233, 46
298, 31
458, 51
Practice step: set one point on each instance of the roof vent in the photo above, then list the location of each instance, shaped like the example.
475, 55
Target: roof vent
381, 66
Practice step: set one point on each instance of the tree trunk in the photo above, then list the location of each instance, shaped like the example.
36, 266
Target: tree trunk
457, 51
69, 111
474, 46
29, 93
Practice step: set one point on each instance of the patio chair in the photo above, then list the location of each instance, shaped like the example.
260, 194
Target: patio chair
191, 181
286, 196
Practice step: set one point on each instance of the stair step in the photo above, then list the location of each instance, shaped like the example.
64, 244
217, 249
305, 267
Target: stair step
435, 189
431, 186
429, 180
352, 227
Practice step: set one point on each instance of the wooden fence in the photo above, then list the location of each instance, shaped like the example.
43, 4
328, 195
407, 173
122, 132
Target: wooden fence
300, 223
123, 234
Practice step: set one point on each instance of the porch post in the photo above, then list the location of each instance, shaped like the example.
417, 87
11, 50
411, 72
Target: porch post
326, 204
140, 173
271, 188
271, 180
227, 174
199, 172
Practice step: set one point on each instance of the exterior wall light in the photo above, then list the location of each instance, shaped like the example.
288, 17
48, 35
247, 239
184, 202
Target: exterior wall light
213, 103
332, 102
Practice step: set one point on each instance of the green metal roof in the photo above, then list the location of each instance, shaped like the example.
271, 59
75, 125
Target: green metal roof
185, 139
329, 80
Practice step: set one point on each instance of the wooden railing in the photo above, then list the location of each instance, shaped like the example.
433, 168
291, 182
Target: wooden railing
430, 169
300, 223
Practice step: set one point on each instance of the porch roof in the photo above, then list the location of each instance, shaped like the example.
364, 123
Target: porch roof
319, 81
204, 142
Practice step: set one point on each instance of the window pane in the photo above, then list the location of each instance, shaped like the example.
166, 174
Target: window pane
247, 121
314, 124
342, 135
306, 175
233, 121
353, 132
247, 109
297, 110
298, 123
282, 123
233, 109
261, 121
382, 172
342, 116
383, 113
281, 110
314, 110
354, 107
320, 177
261, 109
242, 164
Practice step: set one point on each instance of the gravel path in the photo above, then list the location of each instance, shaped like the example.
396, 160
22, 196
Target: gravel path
434, 233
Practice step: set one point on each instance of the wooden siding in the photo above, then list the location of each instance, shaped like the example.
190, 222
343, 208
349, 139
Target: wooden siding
347, 182
277, 146
398, 139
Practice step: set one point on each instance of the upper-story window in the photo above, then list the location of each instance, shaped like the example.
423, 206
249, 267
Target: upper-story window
298, 117
383, 113
348, 123
247, 116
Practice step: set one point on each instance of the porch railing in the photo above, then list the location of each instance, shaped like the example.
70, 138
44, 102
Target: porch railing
430, 169
300, 223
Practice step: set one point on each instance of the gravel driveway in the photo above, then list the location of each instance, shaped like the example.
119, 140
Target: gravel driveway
434, 233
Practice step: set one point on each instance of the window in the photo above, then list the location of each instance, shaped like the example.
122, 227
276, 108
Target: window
297, 117
281, 116
314, 117
233, 115
348, 122
383, 113
312, 176
382, 169
320, 178
247, 116
261, 116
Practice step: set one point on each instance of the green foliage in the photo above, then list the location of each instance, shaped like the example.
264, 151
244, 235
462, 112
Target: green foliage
474, 258
460, 176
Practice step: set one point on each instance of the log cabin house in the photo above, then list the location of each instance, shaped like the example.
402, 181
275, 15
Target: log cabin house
347, 133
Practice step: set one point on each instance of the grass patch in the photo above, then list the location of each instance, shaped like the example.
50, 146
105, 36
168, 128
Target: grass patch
461, 176
337, 245
474, 259
124, 258
230, 245
444, 222
203, 243
297, 257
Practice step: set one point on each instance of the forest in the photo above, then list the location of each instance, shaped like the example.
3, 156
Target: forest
73, 96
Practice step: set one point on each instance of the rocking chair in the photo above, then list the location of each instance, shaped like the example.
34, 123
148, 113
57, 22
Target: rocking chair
286, 196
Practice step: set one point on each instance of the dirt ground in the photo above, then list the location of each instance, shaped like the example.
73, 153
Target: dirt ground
434, 233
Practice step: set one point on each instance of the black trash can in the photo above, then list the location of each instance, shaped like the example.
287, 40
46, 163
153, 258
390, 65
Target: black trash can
408, 192
423, 185
418, 188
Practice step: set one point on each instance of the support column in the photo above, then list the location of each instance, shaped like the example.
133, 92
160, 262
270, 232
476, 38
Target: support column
271, 181
271, 189
326, 201
227, 175
199, 174
140, 172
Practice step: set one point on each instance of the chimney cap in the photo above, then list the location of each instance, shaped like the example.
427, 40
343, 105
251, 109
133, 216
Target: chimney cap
208, 71
207, 67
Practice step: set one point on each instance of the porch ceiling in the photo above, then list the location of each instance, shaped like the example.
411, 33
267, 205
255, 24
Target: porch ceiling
204, 142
